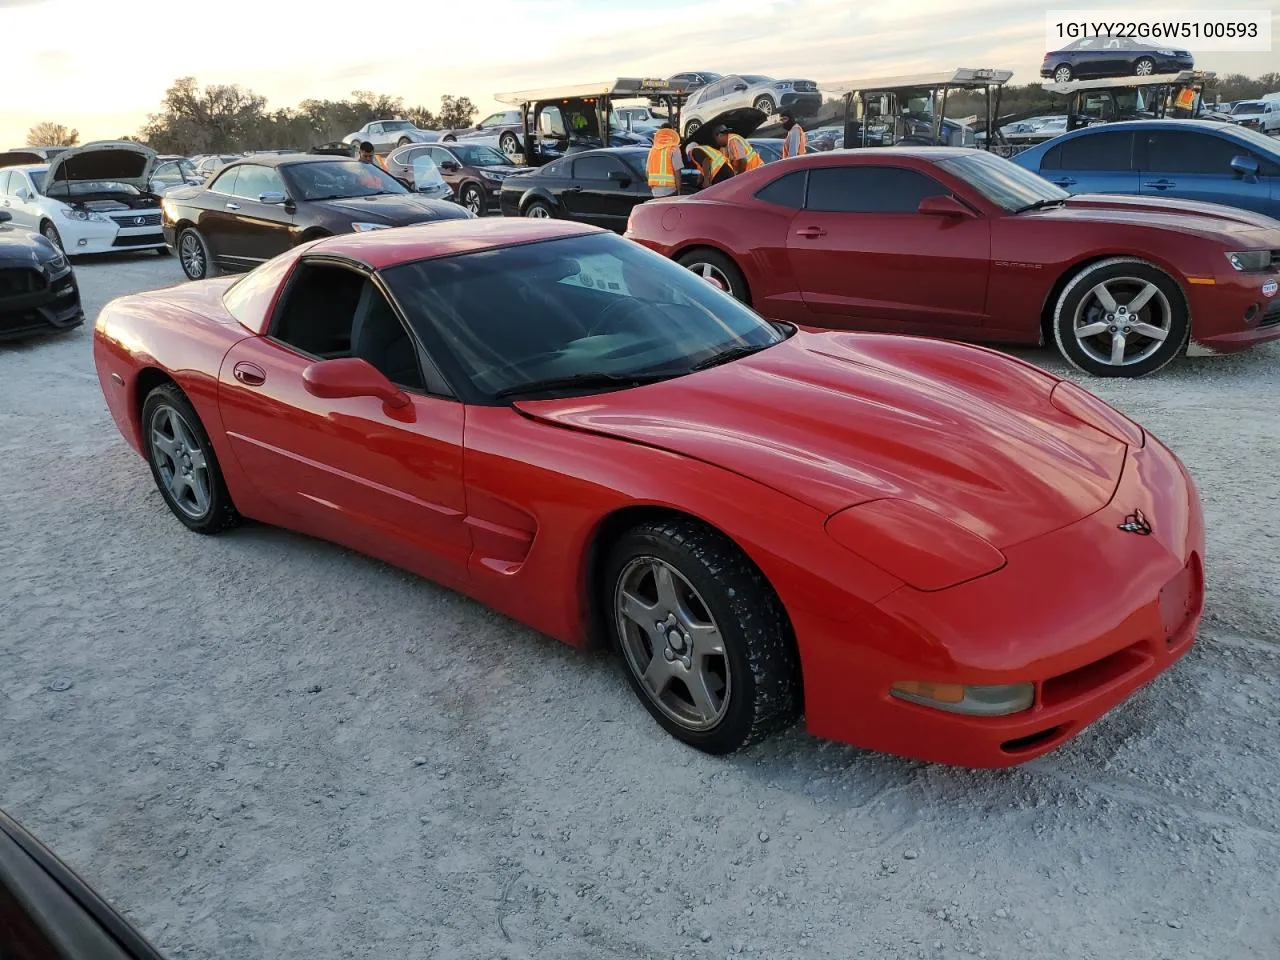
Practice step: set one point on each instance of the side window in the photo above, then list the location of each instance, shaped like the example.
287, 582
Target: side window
869, 190
375, 129
786, 191
166, 171
1170, 151
439, 155
225, 182
594, 168
492, 120
254, 181
18, 181
250, 297
1099, 151
4, 182
331, 312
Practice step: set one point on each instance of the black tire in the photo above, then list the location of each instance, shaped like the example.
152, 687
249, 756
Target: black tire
50, 233
403, 141
1079, 306
692, 127
708, 263
472, 197
1144, 67
221, 513
193, 255
765, 105
1063, 73
449, 138
763, 693
509, 143
539, 209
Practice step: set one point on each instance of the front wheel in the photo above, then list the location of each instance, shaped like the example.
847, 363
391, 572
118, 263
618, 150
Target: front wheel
765, 105
50, 233
718, 270
403, 142
1121, 317
704, 639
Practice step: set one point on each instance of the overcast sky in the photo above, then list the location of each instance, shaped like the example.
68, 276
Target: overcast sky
101, 65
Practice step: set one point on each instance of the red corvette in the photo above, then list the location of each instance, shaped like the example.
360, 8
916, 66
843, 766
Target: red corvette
963, 244
925, 548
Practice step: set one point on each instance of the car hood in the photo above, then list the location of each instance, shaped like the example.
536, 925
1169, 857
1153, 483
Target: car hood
837, 419
744, 122
1185, 216
16, 158
117, 160
394, 209
23, 246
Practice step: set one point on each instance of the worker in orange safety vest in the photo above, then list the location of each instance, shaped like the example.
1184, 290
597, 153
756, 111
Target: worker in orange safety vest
664, 162
711, 163
795, 143
741, 155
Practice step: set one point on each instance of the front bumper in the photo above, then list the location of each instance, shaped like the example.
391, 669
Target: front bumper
1088, 614
1234, 313
80, 237
53, 305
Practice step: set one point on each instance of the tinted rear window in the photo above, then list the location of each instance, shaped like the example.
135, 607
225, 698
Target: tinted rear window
1099, 151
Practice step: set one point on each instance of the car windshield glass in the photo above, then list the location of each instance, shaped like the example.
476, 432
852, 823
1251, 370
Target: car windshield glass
82, 188
1258, 140
389, 125
1250, 106
478, 156
37, 179
332, 179
594, 306
1005, 184
755, 78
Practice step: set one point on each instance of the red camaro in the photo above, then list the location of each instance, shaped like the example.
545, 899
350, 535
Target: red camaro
925, 548
963, 244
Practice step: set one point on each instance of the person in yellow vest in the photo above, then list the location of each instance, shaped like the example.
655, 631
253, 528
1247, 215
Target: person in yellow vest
741, 155
711, 163
795, 143
664, 162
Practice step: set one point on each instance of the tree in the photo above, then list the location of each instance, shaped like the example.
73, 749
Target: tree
214, 119
422, 118
456, 112
49, 134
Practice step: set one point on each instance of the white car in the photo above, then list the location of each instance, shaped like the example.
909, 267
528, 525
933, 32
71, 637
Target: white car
1261, 115
92, 199
750, 90
387, 135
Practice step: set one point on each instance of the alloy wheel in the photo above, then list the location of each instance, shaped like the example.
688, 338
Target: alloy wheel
538, 212
50, 233
1122, 321
1062, 75
510, 146
180, 462
472, 201
1145, 68
672, 643
709, 271
191, 252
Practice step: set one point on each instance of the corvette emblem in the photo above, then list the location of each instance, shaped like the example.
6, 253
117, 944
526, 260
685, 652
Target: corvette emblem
1138, 523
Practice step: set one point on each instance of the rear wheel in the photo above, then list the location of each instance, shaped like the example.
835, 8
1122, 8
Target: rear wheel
692, 127
1062, 74
719, 270
50, 233
704, 639
539, 210
183, 463
1121, 317
1145, 67
472, 197
765, 105
193, 254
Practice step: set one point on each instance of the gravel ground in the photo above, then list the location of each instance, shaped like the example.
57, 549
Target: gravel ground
260, 745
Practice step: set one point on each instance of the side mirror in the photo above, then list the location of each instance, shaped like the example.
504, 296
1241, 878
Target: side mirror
351, 377
23, 194
479, 126
739, 87
450, 166
619, 176
275, 199
943, 205
1247, 167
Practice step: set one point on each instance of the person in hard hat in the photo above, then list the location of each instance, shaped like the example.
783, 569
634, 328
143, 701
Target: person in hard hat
741, 155
664, 162
711, 163
795, 143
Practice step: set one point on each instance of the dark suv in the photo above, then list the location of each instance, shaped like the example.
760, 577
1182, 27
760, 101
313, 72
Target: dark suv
474, 171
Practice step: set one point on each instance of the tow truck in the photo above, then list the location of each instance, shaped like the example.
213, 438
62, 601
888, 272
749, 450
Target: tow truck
560, 120
911, 110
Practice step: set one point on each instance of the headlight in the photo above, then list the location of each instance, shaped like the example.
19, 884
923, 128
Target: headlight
783, 85
912, 543
366, 227
977, 701
1250, 261
55, 265
1165, 53
488, 175
81, 215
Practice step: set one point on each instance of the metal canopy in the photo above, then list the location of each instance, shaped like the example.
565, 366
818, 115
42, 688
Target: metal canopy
961, 77
620, 89
1117, 83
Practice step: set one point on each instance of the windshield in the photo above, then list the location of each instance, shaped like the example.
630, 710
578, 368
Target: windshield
1003, 183
1251, 106
37, 179
334, 179
593, 305
477, 156
754, 78
388, 125
1270, 146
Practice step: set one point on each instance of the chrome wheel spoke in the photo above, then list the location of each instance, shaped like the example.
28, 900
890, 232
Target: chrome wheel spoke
642, 614
668, 596
1117, 348
1091, 329
1141, 300
165, 445
1105, 298
1150, 330
657, 676
706, 638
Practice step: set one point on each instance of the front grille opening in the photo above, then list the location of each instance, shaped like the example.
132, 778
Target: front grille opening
1034, 741
1085, 680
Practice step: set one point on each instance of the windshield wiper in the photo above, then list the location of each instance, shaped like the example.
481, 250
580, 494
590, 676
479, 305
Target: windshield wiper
1040, 205
728, 356
578, 380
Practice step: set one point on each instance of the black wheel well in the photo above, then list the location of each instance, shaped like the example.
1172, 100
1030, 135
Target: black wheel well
677, 254
315, 233
147, 380
531, 197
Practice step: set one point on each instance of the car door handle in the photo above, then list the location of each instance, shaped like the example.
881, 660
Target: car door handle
1160, 184
250, 374
1065, 182
233, 206
811, 232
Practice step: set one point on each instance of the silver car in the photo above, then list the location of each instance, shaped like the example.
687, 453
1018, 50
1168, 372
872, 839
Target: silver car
504, 130
750, 90
386, 135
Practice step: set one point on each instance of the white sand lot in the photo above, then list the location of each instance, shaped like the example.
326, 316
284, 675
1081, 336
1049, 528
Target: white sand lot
458, 787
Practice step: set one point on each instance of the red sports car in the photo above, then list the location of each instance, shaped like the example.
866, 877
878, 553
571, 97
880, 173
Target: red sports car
925, 548
963, 244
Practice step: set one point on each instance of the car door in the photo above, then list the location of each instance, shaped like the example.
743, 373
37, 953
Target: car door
596, 194
20, 200
216, 208
448, 166
386, 481
863, 255
1100, 161
375, 136
1196, 165
258, 230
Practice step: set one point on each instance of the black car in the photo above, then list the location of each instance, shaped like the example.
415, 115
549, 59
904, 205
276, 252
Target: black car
259, 207
38, 291
1092, 57
596, 186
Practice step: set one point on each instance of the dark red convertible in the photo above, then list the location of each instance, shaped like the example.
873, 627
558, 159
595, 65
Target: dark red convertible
963, 244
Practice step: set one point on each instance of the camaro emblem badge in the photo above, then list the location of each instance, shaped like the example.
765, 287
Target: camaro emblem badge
1138, 523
